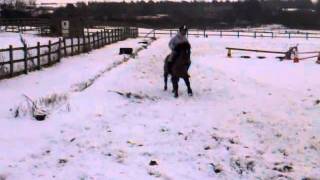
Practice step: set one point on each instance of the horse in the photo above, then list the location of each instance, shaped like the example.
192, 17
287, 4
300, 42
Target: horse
178, 68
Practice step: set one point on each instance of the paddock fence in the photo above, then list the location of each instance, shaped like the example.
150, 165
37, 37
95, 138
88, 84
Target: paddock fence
235, 33
21, 60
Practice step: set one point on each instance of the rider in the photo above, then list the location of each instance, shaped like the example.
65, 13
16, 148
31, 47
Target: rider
179, 38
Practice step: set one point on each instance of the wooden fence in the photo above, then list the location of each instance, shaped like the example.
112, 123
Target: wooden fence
19, 60
235, 33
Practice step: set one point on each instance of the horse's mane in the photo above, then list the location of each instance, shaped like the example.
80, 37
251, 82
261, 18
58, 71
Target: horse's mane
183, 47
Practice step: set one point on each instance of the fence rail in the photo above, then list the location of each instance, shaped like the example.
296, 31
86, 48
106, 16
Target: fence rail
18, 60
236, 33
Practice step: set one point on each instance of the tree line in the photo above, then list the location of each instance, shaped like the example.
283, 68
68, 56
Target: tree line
292, 13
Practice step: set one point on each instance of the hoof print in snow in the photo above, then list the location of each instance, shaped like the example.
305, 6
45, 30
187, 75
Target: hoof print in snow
216, 168
207, 148
245, 57
180, 133
317, 102
164, 130
155, 174
281, 176
304, 178
232, 141
283, 152
62, 161
153, 163
71, 140
134, 143
242, 166
134, 96
284, 168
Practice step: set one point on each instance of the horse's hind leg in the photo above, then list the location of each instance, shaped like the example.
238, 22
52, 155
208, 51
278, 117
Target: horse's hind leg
175, 81
165, 80
187, 81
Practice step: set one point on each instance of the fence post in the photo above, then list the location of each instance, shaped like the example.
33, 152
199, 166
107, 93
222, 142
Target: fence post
78, 45
122, 34
59, 50
93, 40
238, 34
272, 34
11, 60
89, 42
84, 43
307, 35
112, 37
108, 36
117, 35
170, 33
49, 53
255, 34
204, 32
65, 46
38, 56
98, 40
220, 33
72, 46
104, 37
289, 35
25, 58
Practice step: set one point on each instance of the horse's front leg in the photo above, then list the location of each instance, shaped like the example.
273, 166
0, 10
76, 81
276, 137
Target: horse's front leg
187, 81
175, 81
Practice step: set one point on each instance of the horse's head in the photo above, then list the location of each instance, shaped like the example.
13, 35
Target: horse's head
183, 50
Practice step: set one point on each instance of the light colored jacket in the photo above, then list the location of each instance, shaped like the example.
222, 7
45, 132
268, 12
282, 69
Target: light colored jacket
177, 39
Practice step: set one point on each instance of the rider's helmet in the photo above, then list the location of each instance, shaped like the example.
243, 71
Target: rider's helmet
183, 28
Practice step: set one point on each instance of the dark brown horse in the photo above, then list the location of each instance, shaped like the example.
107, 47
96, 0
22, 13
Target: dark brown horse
178, 68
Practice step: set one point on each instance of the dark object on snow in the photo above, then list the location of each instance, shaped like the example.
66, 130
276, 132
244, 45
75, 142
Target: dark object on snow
216, 169
62, 161
153, 163
38, 113
143, 42
245, 57
317, 102
178, 68
281, 58
261, 57
126, 51
40, 117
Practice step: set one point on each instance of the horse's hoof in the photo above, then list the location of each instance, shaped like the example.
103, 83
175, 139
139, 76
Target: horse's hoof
176, 95
190, 94
165, 88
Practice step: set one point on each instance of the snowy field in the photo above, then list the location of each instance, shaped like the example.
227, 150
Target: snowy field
9, 38
248, 119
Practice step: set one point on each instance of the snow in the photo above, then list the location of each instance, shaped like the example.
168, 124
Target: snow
248, 119
10, 38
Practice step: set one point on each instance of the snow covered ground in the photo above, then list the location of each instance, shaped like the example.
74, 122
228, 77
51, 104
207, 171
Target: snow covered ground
9, 38
248, 119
